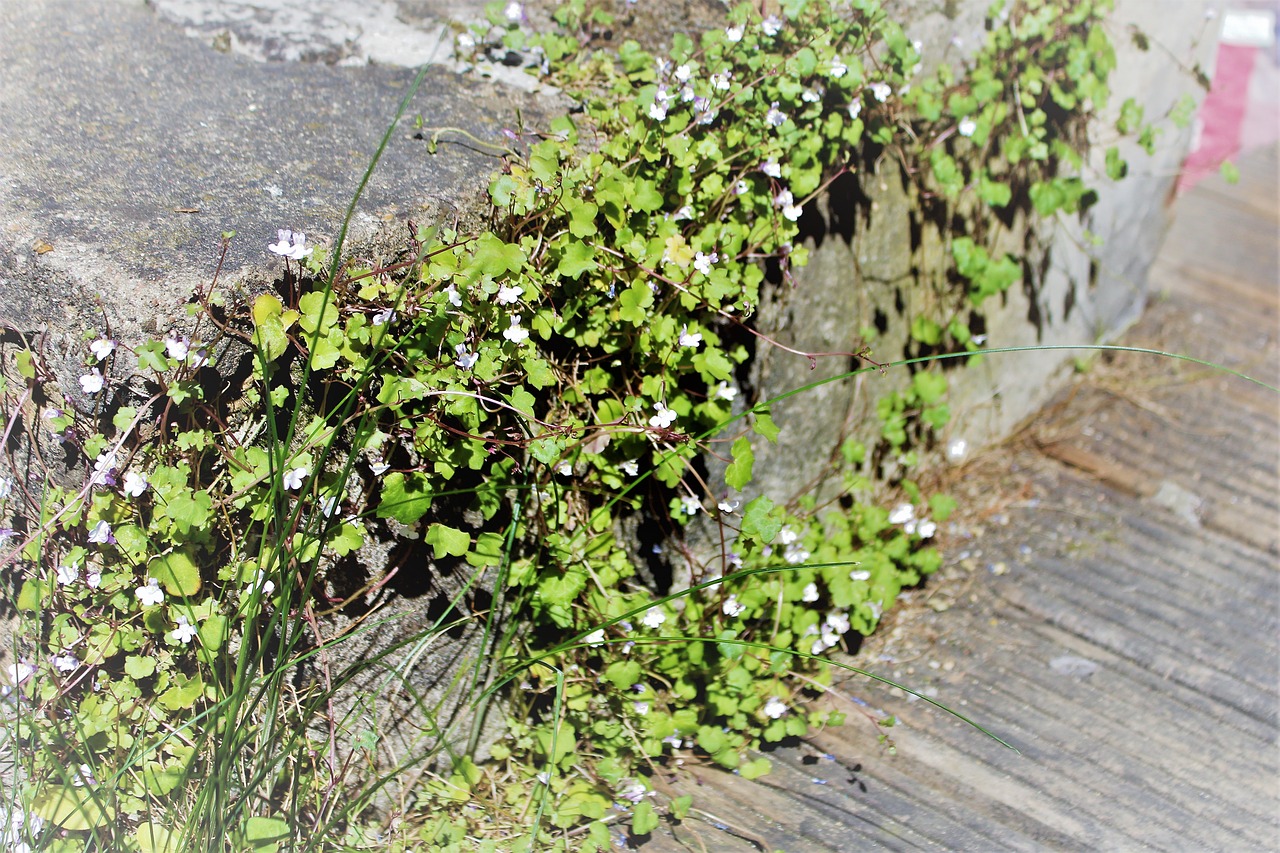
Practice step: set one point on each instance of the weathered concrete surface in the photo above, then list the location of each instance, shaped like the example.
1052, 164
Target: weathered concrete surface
1084, 295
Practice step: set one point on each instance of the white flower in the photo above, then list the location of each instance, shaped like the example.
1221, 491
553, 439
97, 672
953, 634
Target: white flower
967, 126
721, 81
294, 478
812, 96
838, 68
859, 575
727, 506
653, 617
795, 555
664, 417
93, 580
733, 35
101, 348
66, 662
792, 212
184, 633
19, 672
176, 347
595, 638
263, 583
926, 529
6, 487
514, 332
150, 594
957, 449
508, 295
783, 199
198, 357
658, 111
855, 108
685, 212
565, 468
683, 73
103, 469
631, 468
101, 533
771, 25
774, 708
68, 574
771, 168
466, 360
690, 505
837, 622
876, 609
689, 340
384, 317
83, 776
902, 513
732, 607
135, 484
687, 93
774, 117
285, 243
92, 382
455, 298
641, 708
786, 536
725, 391
741, 188
702, 263
379, 467
513, 12
328, 506
881, 91
810, 593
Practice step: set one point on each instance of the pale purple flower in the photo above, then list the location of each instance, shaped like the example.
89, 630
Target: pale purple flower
774, 117
83, 776
150, 594
514, 332
384, 317
721, 81
19, 672
774, 708
702, 262
184, 633
135, 484
290, 244
771, 168
465, 360
293, 479
783, 199
101, 348
104, 468
101, 534
771, 25
664, 417
92, 382
66, 662
93, 580
812, 96
690, 505
741, 188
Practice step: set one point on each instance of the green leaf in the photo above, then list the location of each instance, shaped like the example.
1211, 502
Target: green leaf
764, 427
738, 474
447, 540
680, 806
644, 819
494, 258
755, 769
177, 573
265, 833
623, 673
1230, 173
762, 518
404, 497
578, 257
73, 808
633, 301
137, 666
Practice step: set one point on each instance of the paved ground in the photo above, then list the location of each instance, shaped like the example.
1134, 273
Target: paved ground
1112, 607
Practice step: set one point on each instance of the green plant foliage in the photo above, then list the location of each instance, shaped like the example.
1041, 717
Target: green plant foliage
513, 399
